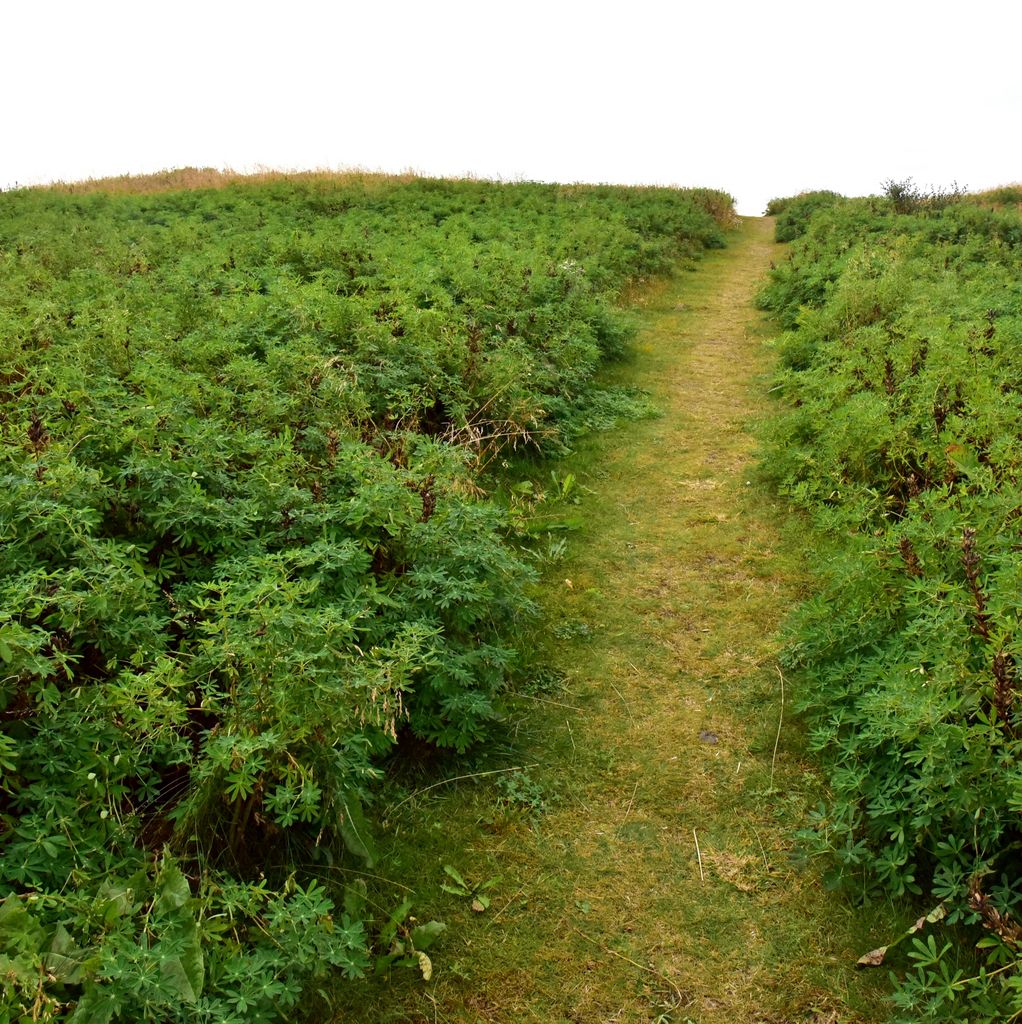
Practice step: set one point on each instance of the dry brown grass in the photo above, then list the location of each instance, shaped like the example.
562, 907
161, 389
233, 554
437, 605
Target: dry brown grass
1000, 197
184, 178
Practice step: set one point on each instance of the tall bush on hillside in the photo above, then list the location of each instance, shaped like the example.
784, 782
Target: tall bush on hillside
793, 214
246, 548
903, 440
908, 197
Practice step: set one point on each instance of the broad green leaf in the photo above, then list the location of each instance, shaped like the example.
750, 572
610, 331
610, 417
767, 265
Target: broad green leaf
192, 959
175, 978
64, 962
396, 919
452, 872
19, 930
175, 891
355, 899
355, 832
96, 1006
424, 935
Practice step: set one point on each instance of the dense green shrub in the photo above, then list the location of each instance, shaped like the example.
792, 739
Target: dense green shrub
908, 197
1006, 195
794, 213
243, 549
903, 439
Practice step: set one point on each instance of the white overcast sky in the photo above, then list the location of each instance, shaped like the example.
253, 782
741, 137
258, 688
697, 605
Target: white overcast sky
760, 99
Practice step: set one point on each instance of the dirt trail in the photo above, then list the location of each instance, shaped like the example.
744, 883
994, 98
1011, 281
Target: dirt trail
664, 734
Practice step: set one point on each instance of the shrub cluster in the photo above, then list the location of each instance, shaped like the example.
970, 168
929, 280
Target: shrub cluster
902, 374
1005, 195
243, 548
908, 197
793, 212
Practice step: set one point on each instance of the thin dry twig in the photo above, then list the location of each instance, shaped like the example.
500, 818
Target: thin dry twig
539, 880
780, 720
459, 778
432, 999
628, 710
321, 870
762, 848
699, 856
628, 809
544, 700
682, 1001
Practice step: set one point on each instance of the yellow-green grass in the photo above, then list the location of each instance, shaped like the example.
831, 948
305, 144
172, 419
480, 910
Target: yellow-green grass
717, 204
1000, 197
183, 178
667, 732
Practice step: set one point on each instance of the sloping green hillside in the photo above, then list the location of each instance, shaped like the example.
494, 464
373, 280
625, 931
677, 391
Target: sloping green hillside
246, 547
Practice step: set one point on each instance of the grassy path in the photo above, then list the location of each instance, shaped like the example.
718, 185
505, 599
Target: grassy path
663, 735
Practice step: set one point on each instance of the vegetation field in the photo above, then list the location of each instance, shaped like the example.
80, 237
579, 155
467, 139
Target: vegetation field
398, 621
251, 545
902, 440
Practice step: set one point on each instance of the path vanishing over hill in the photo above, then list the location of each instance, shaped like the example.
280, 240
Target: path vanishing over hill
659, 884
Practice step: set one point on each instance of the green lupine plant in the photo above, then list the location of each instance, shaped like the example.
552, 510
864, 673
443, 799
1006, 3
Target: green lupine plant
246, 438
902, 438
